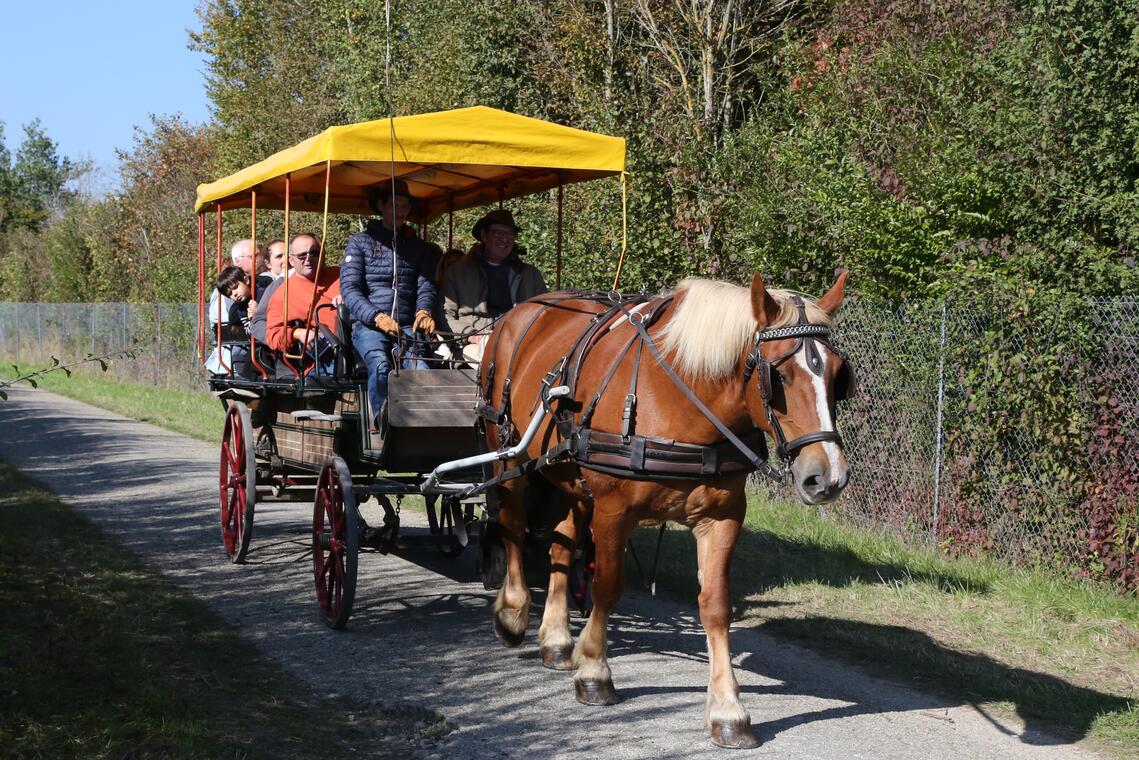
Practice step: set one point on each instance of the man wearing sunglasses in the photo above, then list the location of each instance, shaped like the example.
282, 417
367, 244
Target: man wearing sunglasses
302, 288
388, 282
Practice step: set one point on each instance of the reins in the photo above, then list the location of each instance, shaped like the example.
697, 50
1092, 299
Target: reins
758, 461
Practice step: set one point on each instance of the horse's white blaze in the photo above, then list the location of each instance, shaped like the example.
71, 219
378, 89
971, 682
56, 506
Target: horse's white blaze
822, 408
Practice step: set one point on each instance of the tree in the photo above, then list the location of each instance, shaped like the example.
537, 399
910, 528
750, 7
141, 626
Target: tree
34, 191
36, 185
703, 55
156, 241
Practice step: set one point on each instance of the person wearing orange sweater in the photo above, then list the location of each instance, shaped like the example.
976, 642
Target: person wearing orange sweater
301, 285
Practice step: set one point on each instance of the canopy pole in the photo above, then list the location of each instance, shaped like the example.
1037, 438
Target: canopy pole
624, 232
217, 337
219, 239
253, 243
200, 338
450, 222
561, 199
252, 278
288, 203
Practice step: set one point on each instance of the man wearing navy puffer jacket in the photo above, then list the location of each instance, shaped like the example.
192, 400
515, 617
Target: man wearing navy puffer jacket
369, 284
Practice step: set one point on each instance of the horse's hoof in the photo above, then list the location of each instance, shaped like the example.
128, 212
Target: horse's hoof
507, 636
596, 693
734, 735
558, 658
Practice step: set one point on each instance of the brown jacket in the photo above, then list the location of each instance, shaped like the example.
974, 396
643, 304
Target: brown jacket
464, 291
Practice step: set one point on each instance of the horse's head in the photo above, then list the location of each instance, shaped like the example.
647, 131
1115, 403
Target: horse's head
794, 378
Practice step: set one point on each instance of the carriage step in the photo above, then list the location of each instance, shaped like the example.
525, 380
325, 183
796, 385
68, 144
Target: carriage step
235, 393
312, 414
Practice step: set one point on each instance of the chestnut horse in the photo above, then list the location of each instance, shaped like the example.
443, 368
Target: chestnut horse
630, 444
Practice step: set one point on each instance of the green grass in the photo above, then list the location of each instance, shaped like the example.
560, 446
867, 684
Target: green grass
101, 658
197, 415
1062, 655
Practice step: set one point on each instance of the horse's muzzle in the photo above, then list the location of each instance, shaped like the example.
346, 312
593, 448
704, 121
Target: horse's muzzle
816, 481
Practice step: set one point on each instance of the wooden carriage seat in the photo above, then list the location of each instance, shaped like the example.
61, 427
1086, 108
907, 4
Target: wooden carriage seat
430, 418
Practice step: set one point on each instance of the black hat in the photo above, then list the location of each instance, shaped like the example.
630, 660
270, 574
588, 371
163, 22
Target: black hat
498, 216
382, 192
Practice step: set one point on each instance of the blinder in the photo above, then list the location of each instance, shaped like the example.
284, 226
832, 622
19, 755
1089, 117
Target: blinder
767, 376
845, 382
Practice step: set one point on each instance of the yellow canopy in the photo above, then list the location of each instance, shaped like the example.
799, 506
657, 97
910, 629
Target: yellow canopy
450, 160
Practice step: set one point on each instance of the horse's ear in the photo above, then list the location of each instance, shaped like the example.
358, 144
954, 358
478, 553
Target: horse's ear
763, 307
833, 298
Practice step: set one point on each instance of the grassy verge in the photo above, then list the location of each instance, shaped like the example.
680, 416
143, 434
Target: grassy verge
101, 658
1064, 656
198, 415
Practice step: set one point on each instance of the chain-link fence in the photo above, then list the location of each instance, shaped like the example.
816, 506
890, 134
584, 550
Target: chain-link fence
976, 427
984, 428
161, 334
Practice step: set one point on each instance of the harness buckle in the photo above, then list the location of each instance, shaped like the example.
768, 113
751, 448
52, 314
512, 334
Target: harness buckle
628, 414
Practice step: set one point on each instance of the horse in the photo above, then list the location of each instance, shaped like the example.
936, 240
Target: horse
669, 399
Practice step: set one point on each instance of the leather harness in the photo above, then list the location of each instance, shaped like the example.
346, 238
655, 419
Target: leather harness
628, 454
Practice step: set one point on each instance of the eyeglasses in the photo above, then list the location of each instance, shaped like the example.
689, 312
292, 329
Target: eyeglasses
503, 231
309, 254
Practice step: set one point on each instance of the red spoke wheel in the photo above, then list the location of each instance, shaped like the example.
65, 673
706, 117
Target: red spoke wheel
335, 542
237, 482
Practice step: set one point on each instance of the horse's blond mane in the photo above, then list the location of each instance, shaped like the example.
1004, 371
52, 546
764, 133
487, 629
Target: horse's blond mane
713, 323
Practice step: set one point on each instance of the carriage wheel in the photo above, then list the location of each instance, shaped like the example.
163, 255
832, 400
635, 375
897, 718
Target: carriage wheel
335, 542
451, 515
237, 482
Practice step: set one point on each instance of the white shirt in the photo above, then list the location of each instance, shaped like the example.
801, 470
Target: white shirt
218, 311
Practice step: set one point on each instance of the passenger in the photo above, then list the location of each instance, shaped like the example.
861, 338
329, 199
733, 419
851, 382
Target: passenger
369, 288
489, 281
276, 259
446, 261
282, 331
243, 254
234, 283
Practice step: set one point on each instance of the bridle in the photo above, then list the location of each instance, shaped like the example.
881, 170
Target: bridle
765, 370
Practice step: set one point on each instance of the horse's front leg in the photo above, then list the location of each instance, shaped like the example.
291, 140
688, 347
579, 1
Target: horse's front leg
512, 605
594, 681
724, 716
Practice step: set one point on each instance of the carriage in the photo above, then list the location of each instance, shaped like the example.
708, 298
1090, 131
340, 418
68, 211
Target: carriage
289, 435
627, 409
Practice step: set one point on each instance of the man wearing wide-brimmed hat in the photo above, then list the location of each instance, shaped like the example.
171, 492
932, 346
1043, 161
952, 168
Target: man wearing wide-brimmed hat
385, 259
488, 282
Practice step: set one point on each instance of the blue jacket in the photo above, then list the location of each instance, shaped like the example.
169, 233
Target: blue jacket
366, 275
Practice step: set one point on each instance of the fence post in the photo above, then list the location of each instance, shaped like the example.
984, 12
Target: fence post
939, 432
156, 355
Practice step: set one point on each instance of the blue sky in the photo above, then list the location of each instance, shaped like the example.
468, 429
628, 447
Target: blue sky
92, 71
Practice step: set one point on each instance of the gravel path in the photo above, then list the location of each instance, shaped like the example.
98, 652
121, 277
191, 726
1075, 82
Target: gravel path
421, 630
